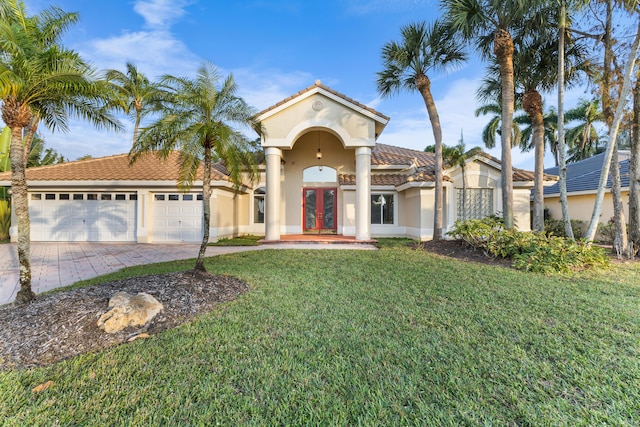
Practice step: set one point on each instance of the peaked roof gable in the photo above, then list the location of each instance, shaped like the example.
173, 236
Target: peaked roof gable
318, 88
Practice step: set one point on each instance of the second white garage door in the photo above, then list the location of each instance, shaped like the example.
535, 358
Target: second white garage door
177, 217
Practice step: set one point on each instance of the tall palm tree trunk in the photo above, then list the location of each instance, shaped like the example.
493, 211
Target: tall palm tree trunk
562, 151
424, 86
17, 116
20, 202
503, 49
532, 104
136, 125
206, 200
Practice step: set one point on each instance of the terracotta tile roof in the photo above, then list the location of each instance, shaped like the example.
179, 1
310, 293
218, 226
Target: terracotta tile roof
426, 175
151, 168
113, 168
382, 158
394, 179
388, 152
318, 84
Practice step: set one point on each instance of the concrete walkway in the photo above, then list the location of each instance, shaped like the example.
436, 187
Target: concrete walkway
54, 265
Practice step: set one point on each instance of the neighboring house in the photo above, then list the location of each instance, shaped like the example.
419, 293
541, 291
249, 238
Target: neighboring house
324, 173
582, 184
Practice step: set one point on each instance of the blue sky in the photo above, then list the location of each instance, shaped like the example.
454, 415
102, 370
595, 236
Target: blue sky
274, 48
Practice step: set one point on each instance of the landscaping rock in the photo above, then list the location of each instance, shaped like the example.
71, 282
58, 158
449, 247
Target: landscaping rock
129, 310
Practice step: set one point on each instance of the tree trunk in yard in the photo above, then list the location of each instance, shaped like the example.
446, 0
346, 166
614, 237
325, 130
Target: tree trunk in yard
532, 104
206, 200
620, 242
561, 150
634, 171
613, 135
424, 86
503, 49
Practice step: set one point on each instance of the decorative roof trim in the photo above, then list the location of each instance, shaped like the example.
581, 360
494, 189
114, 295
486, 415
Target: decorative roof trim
319, 88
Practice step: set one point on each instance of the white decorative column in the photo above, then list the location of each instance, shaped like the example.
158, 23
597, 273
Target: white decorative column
272, 198
363, 193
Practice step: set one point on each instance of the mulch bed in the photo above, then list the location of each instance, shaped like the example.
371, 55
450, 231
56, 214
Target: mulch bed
63, 324
458, 250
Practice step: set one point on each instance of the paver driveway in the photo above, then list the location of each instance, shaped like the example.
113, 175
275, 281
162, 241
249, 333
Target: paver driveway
60, 264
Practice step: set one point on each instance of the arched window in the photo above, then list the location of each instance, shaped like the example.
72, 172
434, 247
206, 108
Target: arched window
318, 174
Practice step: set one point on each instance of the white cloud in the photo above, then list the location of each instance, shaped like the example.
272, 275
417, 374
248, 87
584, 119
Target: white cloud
154, 53
160, 13
456, 109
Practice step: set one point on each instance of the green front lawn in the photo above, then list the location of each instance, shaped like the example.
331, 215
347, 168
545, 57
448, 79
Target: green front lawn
389, 337
247, 240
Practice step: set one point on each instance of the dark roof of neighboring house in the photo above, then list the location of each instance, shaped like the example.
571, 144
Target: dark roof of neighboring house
115, 168
585, 174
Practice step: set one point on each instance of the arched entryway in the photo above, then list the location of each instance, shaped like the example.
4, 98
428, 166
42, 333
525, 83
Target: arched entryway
318, 127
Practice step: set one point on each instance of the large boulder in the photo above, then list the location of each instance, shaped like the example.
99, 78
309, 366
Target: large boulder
129, 310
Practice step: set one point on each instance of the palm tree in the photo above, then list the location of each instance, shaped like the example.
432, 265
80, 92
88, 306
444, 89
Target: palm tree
407, 65
493, 127
536, 67
40, 81
535, 72
550, 120
41, 156
490, 23
134, 93
200, 118
583, 139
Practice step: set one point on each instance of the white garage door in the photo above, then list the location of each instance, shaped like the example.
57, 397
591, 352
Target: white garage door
177, 217
83, 217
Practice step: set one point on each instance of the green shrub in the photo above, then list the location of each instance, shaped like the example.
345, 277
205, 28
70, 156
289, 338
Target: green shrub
477, 232
555, 227
5, 219
551, 254
537, 252
606, 233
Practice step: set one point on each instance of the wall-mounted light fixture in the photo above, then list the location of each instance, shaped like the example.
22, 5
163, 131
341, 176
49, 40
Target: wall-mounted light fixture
319, 153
